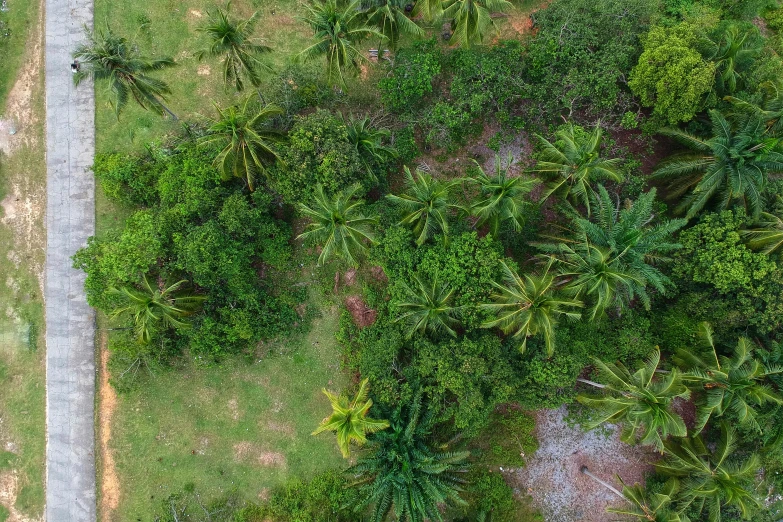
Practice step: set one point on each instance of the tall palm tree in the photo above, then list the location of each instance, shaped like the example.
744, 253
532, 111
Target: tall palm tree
368, 141
338, 29
247, 141
733, 164
390, 18
502, 197
767, 233
711, 481
430, 10
471, 19
574, 162
407, 472
733, 383
611, 258
154, 305
733, 53
428, 308
529, 305
232, 41
338, 225
349, 419
640, 401
769, 109
106, 56
425, 205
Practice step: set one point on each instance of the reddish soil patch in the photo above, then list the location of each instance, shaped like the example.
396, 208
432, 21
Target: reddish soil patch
686, 410
650, 151
378, 274
362, 314
110, 482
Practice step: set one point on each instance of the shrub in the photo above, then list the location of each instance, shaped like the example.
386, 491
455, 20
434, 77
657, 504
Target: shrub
412, 76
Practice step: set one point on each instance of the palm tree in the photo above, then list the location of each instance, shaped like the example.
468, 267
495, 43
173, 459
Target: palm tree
232, 42
767, 234
733, 164
150, 306
425, 205
642, 403
612, 258
369, 143
713, 480
106, 56
349, 419
574, 162
408, 472
529, 305
502, 197
428, 308
769, 109
733, 383
248, 144
338, 225
390, 18
337, 31
471, 19
430, 10
732, 53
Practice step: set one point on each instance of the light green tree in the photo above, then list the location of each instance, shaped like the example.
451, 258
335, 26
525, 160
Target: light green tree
428, 308
390, 18
368, 141
349, 419
472, 19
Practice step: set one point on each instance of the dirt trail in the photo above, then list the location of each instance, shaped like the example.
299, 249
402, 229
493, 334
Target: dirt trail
110, 483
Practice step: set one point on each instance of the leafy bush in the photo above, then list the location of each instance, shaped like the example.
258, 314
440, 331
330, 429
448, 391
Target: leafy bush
507, 440
412, 76
127, 179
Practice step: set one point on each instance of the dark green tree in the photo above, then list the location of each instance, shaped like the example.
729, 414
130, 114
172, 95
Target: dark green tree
368, 141
471, 20
733, 52
390, 18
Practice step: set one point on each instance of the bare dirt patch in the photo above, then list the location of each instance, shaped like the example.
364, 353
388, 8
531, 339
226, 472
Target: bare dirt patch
204, 70
9, 489
233, 407
362, 314
552, 476
249, 452
110, 482
285, 428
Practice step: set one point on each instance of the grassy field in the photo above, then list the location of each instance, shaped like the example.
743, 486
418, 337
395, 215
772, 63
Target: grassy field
243, 426
17, 22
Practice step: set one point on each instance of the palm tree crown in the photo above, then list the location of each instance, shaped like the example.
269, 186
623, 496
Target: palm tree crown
611, 258
405, 474
767, 234
729, 383
425, 205
502, 197
639, 400
337, 31
529, 305
349, 419
733, 164
471, 19
769, 109
732, 53
248, 144
150, 306
574, 162
428, 308
232, 41
711, 480
338, 225
390, 18
106, 56
368, 141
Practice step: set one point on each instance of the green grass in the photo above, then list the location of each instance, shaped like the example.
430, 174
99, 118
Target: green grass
168, 28
20, 19
239, 426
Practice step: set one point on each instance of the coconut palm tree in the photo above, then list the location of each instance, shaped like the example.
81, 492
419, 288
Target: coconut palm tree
247, 141
152, 306
428, 308
502, 197
471, 20
407, 472
574, 162
349, 419
529, 305
733, 383
232, 41
733, 53
425, 205
338, 29
106, 56
390, 17
642, 402
732, 165
711, 480
369, 143
338, 225
611, 258
769, 109
767, 233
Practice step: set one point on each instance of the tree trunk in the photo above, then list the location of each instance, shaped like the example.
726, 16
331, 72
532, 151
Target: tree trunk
591, 383
608, 486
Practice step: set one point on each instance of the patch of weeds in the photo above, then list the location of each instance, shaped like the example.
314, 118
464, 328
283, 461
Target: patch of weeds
580, 416
6, 460
507, 440
4, 514
30, 497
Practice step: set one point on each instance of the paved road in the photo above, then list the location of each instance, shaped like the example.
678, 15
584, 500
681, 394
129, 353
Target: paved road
70, 322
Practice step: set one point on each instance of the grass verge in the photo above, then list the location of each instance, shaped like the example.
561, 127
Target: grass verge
16, 25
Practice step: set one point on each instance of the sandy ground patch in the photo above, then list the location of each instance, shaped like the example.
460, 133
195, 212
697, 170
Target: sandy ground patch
110, 483
552, 476
204, 70
253, 453
361, 313
9, 489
